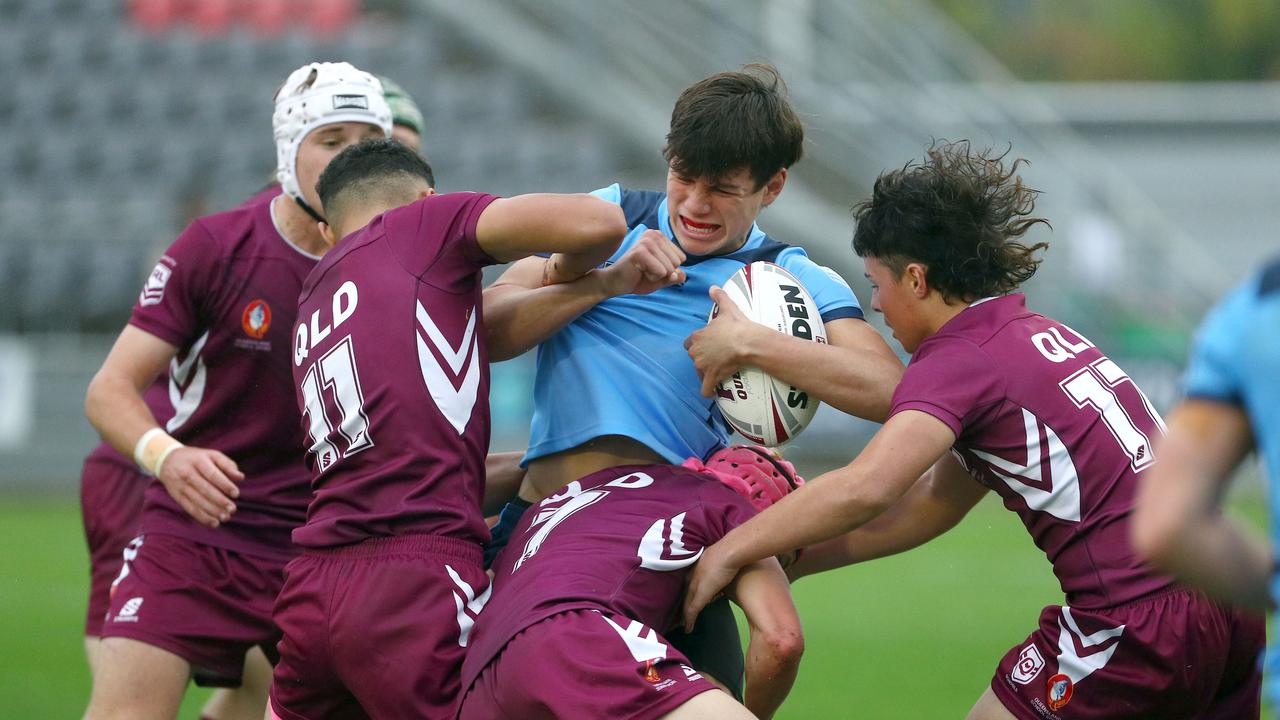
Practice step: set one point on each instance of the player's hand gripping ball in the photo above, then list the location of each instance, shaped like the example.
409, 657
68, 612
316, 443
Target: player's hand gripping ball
760, 408
758, 474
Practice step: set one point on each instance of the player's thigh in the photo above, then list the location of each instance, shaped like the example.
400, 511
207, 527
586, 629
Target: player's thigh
137, 681
247, 701
711, 705
989, 707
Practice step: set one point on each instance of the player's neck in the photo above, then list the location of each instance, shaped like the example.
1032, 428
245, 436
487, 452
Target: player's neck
297, 227
939, 312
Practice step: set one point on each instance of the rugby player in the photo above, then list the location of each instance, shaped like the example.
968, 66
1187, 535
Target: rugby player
390, 364
406, 119
997, 397
586, 591
614, 386
196, 588
1232, 407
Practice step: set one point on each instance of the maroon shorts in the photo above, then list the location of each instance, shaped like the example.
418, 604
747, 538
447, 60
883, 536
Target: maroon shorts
1169, 656
377, 629
205, 604
111, 506
583, 664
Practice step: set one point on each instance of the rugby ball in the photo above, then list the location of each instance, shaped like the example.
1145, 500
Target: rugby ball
762, 409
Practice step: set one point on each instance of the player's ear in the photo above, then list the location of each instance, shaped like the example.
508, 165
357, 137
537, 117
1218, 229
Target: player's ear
326, 232
426, 193
773, 187
916, 276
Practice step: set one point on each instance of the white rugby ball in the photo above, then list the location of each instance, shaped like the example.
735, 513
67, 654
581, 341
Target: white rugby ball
762, 409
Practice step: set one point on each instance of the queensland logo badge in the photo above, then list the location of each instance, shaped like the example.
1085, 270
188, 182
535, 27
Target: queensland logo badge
1059, 691
256, 319
1030, 663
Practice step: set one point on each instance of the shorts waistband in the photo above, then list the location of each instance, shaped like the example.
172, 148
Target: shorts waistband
1153, 595
461, 550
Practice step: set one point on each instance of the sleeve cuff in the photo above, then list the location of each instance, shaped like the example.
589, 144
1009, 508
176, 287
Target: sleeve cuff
928, 408
843, 312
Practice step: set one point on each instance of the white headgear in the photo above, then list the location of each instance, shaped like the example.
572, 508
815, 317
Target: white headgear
320, 94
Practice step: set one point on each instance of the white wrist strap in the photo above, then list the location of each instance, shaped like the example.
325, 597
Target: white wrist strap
165, 456
141, 446
146, 457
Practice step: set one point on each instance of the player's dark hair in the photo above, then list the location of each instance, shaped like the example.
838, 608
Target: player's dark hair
733, 120
960, 212
366, 167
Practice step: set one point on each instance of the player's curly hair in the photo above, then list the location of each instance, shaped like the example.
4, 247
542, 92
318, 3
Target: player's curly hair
960, 212
732, 120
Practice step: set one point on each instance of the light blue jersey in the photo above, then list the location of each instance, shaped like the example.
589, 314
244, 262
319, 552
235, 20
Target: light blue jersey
621, 367
1236, 359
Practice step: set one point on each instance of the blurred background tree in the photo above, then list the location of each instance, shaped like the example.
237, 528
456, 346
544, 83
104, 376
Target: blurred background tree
1132, 40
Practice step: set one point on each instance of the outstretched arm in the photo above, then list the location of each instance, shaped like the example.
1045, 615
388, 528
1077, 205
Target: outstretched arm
935, 503
582, 229
1177, 522
828, 506
855, 373
520, 312
201, 480
777, 642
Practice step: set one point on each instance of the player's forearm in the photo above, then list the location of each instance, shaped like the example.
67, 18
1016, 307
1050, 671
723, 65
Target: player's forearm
115, 408
1221, 558
889, 534
924, 513
583, 232
771, 667
832, 505
518, 318
858, 381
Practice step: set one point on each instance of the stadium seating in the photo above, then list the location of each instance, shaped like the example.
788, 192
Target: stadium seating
115, 131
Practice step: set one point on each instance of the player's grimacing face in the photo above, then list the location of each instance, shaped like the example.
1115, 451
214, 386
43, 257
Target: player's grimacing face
891, 295
712, 216
322, 145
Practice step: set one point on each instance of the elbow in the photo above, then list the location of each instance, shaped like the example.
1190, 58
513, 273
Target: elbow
786, 647
93, 398
610, 225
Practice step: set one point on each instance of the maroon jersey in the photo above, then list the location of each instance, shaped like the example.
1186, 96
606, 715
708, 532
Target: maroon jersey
620, 540
225, 293
392, 376
1052, 425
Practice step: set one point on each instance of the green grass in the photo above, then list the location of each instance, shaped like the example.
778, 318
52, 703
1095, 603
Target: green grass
912, 636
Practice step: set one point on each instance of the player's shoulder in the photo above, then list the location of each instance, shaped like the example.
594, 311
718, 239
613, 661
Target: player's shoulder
955, 353
241, 228
640, 207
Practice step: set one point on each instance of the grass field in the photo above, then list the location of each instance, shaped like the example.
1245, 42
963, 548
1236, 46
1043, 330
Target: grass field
915, 636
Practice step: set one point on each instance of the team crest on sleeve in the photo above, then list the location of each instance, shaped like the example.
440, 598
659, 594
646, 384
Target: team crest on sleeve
1030, 663
256, 319
153, 290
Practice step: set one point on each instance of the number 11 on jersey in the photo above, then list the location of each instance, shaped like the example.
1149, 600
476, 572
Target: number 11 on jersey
332, 381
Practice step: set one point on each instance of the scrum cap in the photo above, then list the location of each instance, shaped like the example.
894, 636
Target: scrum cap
404, 111
319, 94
